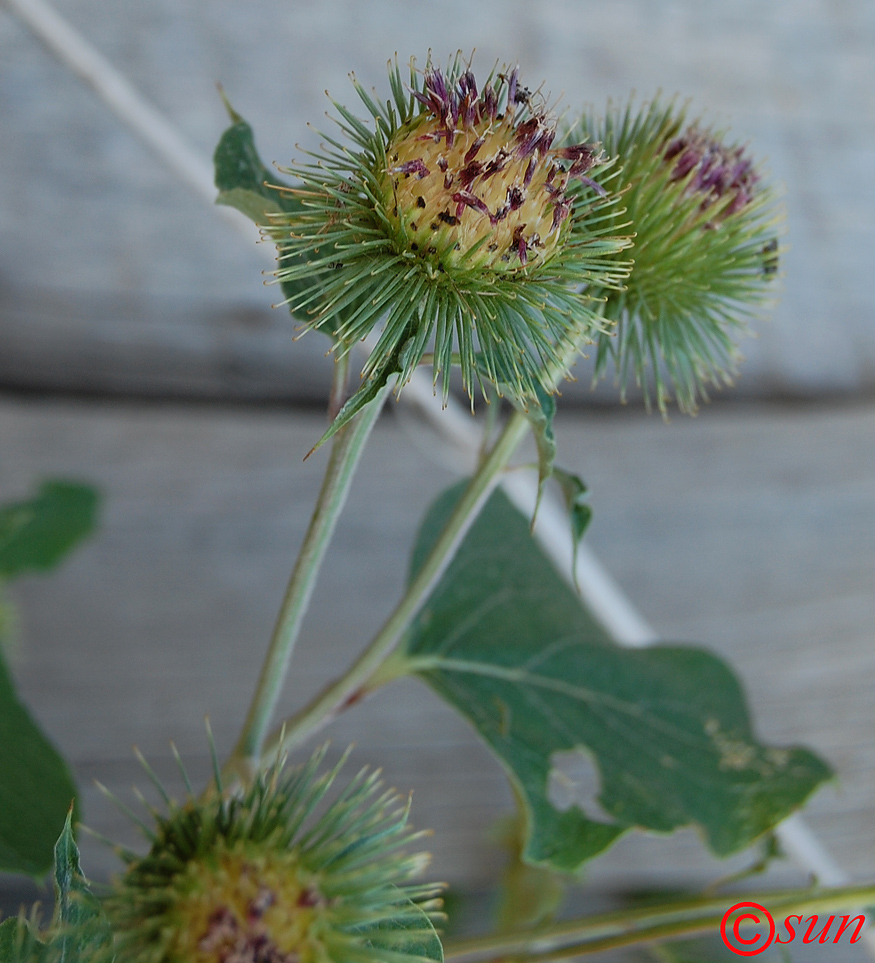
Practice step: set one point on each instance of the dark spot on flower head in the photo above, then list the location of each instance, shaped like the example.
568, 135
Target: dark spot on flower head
471, 153
712, 169
416, 166
515, 198
262, 902
414, 226
582, 156
431, 249
469, 173
434, 225
309, 898
520, 243
420, 201
489, 102
497, 164
448, 218
394, 158
465, 199
414, 246
492, 247
468, 83
512, 85
561, 210
522, 96
232, 942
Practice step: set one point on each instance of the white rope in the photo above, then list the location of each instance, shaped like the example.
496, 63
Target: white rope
600, 592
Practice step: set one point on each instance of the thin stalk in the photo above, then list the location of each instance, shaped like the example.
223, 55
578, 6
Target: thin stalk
624, 927
346, 451
352, 686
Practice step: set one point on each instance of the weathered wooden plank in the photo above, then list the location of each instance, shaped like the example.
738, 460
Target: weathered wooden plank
751, 530
86, 210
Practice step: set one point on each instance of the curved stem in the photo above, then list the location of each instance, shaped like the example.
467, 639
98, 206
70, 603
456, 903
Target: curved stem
346, 450
594, 934
353, 685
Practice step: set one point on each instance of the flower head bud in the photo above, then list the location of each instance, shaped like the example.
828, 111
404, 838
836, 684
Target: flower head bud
706, 246
255, 878
454, 220
473, 189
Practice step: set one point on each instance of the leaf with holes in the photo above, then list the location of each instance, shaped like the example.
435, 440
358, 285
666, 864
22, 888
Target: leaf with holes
506, 641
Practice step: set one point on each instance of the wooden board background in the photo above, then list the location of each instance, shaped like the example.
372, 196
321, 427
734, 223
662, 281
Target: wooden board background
749, 529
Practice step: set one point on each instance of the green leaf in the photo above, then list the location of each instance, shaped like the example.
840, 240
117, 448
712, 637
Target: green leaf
36, 534
541, 417
79, 923
412, 934
243, 180
506, 641
19, 943
36, 788
575, 493
246, 184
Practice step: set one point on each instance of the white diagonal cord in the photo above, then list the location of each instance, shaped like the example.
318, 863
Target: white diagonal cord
459, 433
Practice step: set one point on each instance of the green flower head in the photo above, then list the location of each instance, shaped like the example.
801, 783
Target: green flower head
454, 221
706, 232
274, 874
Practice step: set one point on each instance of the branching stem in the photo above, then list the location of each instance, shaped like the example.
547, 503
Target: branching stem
353, 685
572, 938
346, 450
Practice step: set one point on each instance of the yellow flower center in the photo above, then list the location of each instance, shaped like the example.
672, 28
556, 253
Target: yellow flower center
240, 905
473, 199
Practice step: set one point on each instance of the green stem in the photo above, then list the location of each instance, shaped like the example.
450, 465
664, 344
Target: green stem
346, 450
594, 934
350, 687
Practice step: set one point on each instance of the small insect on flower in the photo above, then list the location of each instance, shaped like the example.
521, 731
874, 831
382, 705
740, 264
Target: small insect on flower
275, 874
449, 220
706, 248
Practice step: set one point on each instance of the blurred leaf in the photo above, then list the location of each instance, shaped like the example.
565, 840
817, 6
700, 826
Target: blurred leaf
36, 788
36, 534
575, 493
666, 728
541, 417
413, 936
80, 926
19, 943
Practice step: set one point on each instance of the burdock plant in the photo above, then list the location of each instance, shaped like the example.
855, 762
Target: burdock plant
706, 226
455, 227
454, 221
266, 875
